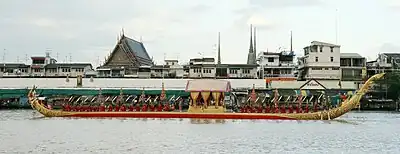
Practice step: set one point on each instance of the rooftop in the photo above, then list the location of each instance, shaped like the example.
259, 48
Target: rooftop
350, 55
79, 65
324, 44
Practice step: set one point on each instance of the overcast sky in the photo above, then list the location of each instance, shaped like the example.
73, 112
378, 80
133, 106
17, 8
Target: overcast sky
182, 29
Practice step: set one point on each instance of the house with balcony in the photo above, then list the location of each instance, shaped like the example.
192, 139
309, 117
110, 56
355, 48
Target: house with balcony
320, 61
352, 67
276, 64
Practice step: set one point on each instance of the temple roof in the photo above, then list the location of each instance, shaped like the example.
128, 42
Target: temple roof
137, 48
128, 53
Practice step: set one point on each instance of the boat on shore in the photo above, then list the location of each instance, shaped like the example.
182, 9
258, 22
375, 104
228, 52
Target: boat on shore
207, 103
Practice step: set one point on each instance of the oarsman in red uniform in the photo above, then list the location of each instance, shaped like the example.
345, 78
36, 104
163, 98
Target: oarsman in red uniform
259, 109
166, 107
290, 108
102, 108
90, 108
131, 108
144, 108
152, 107
73, 108
123, 108
67, 107
116, 108
110, 108
298, 108
276, 109
268, 109
172, 107
315, 107
79, 108
137, 109
159, 107
283, 108
306, 110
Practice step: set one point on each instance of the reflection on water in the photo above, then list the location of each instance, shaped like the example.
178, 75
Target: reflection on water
26, 131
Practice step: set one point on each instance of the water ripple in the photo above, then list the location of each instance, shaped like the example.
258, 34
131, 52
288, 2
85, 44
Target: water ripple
25, 131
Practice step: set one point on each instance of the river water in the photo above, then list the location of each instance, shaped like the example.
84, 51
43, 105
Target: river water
26, 131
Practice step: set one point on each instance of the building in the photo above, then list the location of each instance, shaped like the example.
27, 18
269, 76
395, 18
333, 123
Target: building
276, 64
206, 68
45, 66
171, 69
352, 67
14, 69
202, 68
386, 62
39, 63
320, 61
68, 69
127, 59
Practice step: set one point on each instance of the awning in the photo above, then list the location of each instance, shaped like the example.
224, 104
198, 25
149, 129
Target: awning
208, 85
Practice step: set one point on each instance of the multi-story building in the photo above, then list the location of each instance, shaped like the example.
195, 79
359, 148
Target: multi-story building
320, 61
39, 63
171, 69
276, 64
206, 68
386, 62
352, 66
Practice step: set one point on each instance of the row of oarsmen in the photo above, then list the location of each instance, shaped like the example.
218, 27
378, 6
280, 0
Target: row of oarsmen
122, 108
276, 109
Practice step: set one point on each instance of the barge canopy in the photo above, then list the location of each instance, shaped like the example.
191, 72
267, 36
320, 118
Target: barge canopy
208, 85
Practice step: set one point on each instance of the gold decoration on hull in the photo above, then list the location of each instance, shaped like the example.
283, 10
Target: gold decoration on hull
346, 106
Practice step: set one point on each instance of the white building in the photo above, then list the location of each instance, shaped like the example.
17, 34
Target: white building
320, 61
171, 69
276, 64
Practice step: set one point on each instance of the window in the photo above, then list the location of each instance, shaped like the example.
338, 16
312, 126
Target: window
316, 68
316, 59
66, 70
335, 68
270, 59
37, 70
320, 48
331, 59
79, 70
232, 71
331, 49
246, 71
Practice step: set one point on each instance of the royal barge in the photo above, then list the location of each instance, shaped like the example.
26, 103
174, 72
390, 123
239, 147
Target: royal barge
206, 102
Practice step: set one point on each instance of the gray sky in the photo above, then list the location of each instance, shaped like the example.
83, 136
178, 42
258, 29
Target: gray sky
184, 28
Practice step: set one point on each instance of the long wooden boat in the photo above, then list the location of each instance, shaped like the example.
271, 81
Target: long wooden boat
218, 87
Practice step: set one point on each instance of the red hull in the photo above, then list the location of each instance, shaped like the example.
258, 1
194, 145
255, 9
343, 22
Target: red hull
179, 115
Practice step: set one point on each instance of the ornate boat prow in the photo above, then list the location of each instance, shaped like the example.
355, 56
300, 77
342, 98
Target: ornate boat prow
212, 111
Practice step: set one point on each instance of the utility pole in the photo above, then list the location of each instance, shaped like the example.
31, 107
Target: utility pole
336, 26
4, 56
70, 58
